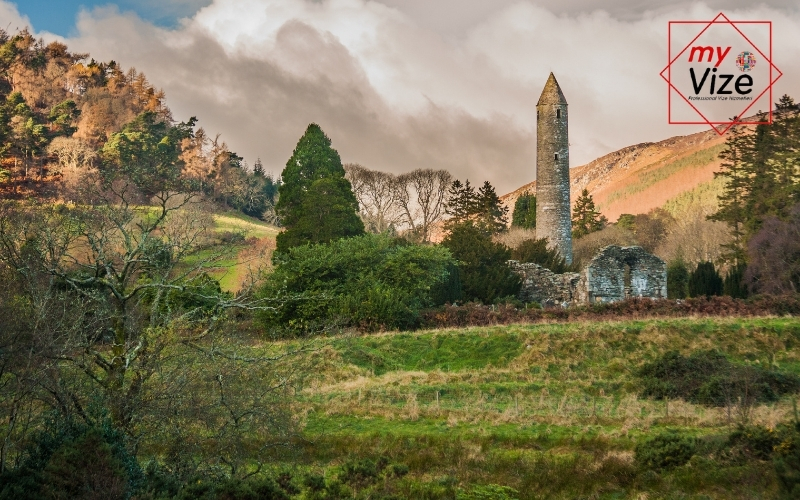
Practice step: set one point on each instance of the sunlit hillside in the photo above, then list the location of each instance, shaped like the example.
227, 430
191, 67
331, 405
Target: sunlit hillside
645, 176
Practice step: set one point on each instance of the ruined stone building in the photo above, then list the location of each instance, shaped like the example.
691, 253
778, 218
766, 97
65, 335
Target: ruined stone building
615, 273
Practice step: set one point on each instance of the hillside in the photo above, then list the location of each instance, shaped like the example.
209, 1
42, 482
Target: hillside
552, 411
644, 176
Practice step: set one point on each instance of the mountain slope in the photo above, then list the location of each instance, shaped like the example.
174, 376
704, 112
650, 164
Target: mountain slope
639, 178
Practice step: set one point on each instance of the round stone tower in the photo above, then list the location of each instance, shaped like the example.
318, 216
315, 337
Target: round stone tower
553, 219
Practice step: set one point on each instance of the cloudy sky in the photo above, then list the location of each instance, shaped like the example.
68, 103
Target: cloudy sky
403, 84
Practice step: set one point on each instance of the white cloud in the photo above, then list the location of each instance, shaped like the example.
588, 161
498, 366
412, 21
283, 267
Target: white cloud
395, 92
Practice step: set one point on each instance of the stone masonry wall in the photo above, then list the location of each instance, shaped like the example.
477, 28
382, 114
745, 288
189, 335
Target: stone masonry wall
615, 273
544, 286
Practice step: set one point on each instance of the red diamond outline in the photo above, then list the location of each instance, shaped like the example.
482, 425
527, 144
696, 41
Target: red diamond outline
706, 120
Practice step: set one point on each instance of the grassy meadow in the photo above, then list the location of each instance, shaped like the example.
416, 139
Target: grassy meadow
531, 411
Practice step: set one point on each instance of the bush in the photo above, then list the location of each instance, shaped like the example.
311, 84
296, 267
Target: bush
677, 279
705, 281
73, 460
664, 451
734, 285
372, 282
232, 489
707, 377
786, 459
536, 251
749, 442
483, 264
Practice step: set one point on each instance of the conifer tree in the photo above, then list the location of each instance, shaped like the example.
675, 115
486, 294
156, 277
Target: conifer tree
704, 281
677, 279
492, 214
483, 207
483, 269
258, 168
760, 168
734, 285
462, 202
537, 252
316, 203
524, 214
585, 219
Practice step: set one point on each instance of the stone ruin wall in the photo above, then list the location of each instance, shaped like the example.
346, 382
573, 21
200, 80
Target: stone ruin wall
617, 273
542, 285
614, 274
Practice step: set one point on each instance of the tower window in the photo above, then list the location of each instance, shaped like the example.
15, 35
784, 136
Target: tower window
558, 115
556, 157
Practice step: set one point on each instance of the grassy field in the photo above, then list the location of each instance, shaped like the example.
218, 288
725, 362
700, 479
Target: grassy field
548, 410
247, 243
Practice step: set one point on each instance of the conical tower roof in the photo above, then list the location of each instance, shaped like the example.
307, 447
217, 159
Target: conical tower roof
552, 93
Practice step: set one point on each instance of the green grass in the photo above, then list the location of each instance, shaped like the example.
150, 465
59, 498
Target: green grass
238, 222
464, 350
550, 410
226, 264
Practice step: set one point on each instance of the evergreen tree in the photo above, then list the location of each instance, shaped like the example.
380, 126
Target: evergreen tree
761, 173
677, 279
492, 214
483, 268
462, 202
316, 203
483, 207
148, 152
524, 214
258, 168
734, 285
536, 251
705, 280
585, 219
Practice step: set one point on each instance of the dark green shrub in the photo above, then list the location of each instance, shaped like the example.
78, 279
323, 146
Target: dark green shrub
232, 489
372, 282
284, 480
752, 442
314, 482
536, 251
359, 473
524, 214
707, 377
786, 459
664, 451
398, 470
483, 264
734, 284
69, 458
677, 280
85, 467
704, 281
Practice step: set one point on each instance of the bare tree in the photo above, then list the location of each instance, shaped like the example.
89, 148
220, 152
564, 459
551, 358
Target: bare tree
75, 158
422, 195
376, 195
